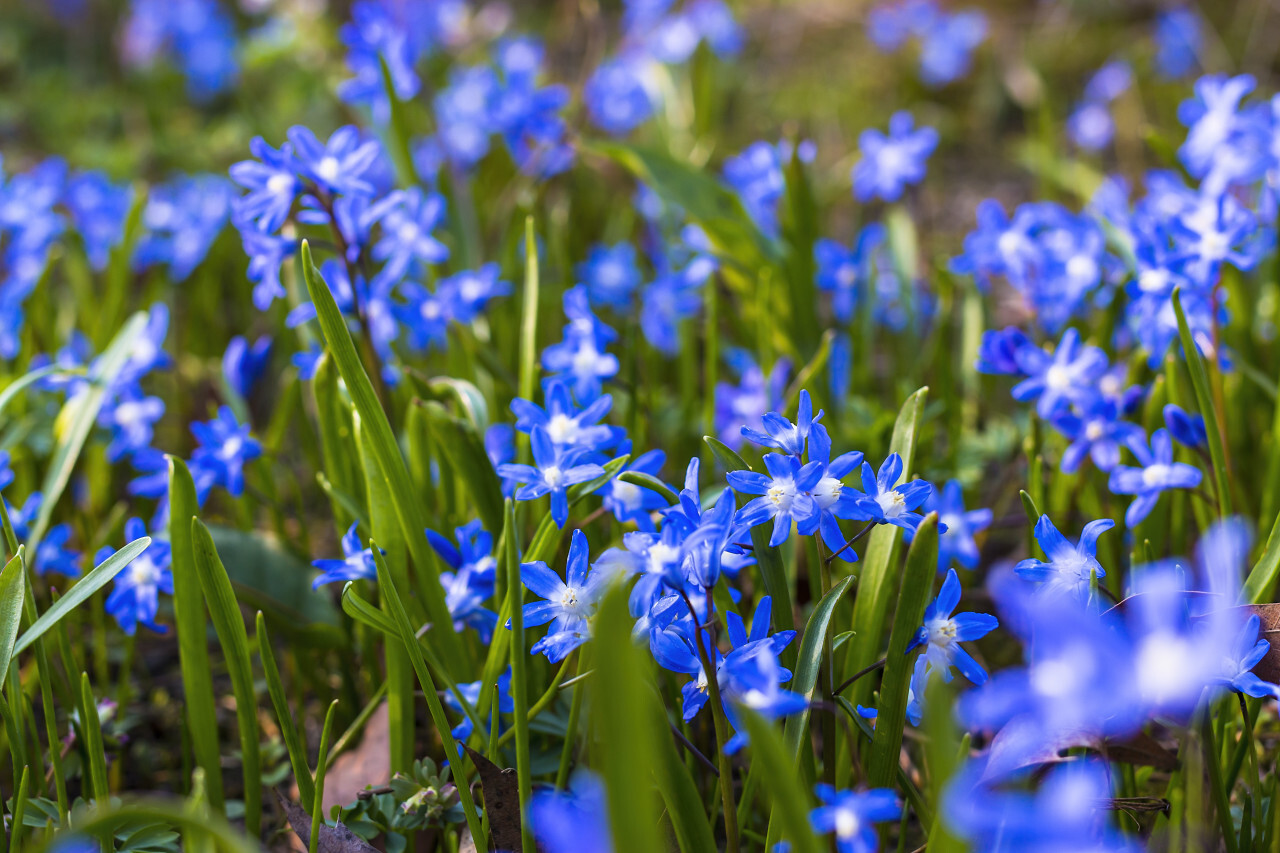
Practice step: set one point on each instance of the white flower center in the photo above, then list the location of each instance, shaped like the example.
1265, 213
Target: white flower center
847, 823
782, 493
942, 632
627, 494
1058, 378
569, 598
892, 503
660, 554
327, 168
553, 476
280, 183
1153, 281
1153, 475
827, 492
562, 429
1094, 431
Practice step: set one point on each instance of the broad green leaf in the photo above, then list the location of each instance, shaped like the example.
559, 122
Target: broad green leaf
333, 417
875, 580
1204, 401
77, 418
917, 586
395, 475
800, 231
467, 396
234, 639
100, 576
626, 737
529, 313
467, 456
781, 777
650, 482
805, 680
725, 455
193, 634
510, 562
13, 591
293, 741
395, 607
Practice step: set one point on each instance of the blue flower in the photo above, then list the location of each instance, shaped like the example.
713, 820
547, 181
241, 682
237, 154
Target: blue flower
781, 433
573, 821
242, 364
135, 596
946, 51
500, 447
886, 503
471, 692
998, 353
1095, 431
53, 555
266, 253
339, 165
183, 218
629, 502
832, 499
98, 210
611, 275
569, 604
956, 544
131, 417
6, 473
784, 494
568, 425
620, 95
471, 291
580, 358
668, 301
374, 34
406, 234
756, 176
943, 633
1090, 126
22, 517
1070, 567
1211, 119
1187, 429
890, 163
357, 562
1178, 39
471, 582
744, 404
272, 182
1237, 670
1068, 376
852, 815
198, 35
1158, 473
553, 472
225, 448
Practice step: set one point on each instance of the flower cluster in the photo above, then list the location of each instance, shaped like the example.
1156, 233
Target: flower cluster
947, 40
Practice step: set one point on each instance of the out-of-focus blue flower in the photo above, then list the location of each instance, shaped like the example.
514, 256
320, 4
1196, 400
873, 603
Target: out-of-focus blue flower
783, 434
568, 604
407, 234
579, 359
890, 25
500, 447
1090, 126
471, 582
380, 32
573, 821
756, 176
183, 218
1237, 670
621, 94
668, 301
198, 35
1211, 118
307, 361
1067, 377
1178, 41
1187, 429
243, 364
890, 163
946, 51
471, 692
629, 502
553, 472
135, 595
98, 211
473, 289
266, 253
744, 405
53, 555
943, 633
851, 816
1157, 473
131, 417
1095, 431
357, 562
22, 517
272, 182
885, 501
999, 350
225, 448
611, 275
1070, 567
846, 273
338, 165
956, 544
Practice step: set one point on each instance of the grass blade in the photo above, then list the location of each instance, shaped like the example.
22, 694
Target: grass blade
13, 593
529, 313
333, 418
79, 414
191, 626
95, 580
467, 456
322, 766
91, 729
234, 640
781, 777
1261, 582
395, 475
917, 586
293, 742
1204, 401
519, 677
17, 386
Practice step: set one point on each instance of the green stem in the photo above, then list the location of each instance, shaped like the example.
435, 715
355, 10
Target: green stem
722, 733
571, 731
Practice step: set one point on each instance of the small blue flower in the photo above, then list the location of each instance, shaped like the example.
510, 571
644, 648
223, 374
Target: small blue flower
553, 472
6, 473
568, 604
851, 816
620, 94
471, 582
956, 544
884, 501
98, 211
1248, 653
611, 275
53, 555
225, 448
568, 426
471, 692
1178, 39
890, 163
631, 503
784, 493
573, 821
22, 517
357, 562
243, 364
266, 253
1095, 431
943, 633
1186, 428
946, 51
272, 182
756, 176
135, 595
1070, 567
183, 218
744, 404
1158, 473
832, 498
1068, 376
407, 234
131, 417
781, 433
339, 165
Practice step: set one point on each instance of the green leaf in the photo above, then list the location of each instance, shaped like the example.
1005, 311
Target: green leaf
398, 133
650, 482
519, 676
333, 417
467, 397
76, 421
13, 590
95, 580
395, 475
800, 230
467, 456
293, 742
17, 386
1204, 401
193, 634
234, 639
91, 728
805, 681
725, 455
404, 630
917, 586
322, 767
529, 313
1261, 582
626, 738
781, 776
874, 583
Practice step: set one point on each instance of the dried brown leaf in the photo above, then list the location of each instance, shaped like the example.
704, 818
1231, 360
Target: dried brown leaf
501, 801
333, 839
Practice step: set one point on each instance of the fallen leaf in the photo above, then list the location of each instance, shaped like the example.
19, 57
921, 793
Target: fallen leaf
501, 801
466, 844
366, 765
333, 839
